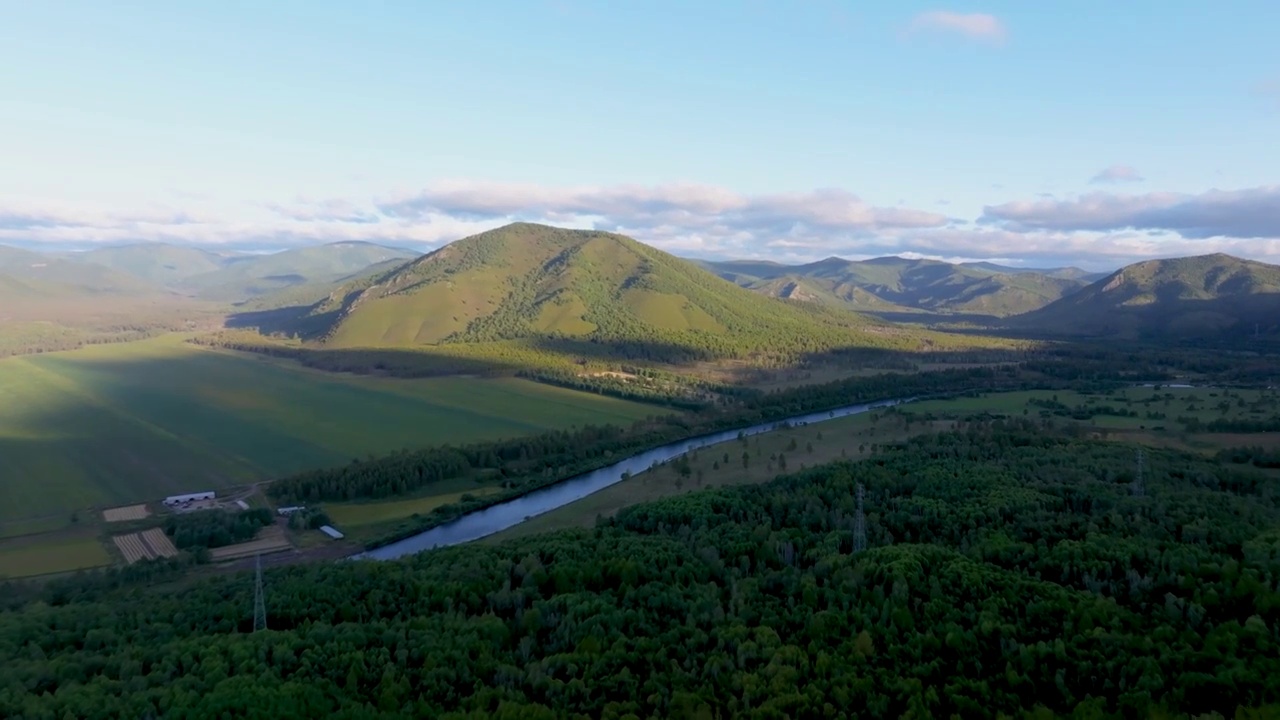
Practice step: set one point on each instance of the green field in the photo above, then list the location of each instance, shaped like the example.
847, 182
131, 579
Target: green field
119, 423
19, 558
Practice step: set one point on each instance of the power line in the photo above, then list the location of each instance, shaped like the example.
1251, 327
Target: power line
259, 600
860, 522
1139, 485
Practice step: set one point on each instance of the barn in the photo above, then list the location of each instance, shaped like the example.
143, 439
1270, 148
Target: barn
175, 500
331, 531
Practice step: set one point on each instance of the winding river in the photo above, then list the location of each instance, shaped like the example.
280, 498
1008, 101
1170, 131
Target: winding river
497, 518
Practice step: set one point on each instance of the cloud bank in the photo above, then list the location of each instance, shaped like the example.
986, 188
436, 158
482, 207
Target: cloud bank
975, 26
1242, 214
1097, 230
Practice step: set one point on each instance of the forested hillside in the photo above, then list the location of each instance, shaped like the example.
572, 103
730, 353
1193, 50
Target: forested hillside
1006, 571
575, 292
1208, 297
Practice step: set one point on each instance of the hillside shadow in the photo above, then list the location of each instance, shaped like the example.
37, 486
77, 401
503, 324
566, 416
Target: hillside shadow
1250, 322
293, 321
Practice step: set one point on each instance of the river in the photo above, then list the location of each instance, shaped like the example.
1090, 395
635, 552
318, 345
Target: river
497, 518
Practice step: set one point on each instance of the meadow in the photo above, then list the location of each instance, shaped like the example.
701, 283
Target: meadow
21, 557
114, 424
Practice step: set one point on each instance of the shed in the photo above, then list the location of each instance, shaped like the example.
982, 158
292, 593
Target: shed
331, 531
243, 505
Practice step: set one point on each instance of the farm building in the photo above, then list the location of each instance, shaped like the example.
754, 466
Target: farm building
331, 531
242, 505
174, 500
291, 509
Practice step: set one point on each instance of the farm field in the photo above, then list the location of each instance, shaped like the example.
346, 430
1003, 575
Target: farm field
114, 424
855, 437
20, 557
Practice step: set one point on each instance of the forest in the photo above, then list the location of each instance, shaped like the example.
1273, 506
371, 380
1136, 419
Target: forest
216, 528
1004, 571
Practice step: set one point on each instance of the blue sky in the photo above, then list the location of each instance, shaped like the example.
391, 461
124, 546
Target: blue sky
1085, 132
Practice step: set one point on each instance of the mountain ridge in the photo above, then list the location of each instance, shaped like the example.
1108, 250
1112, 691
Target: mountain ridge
1201, 296
913, 285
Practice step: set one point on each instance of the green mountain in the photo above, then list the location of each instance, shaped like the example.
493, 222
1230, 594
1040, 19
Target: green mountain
32, 274
247, 276
1207, 296
1065, 273
902, 285
158, 263
586, 290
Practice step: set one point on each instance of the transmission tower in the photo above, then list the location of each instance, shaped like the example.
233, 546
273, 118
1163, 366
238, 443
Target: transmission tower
1139, 486
259, 601
860, 523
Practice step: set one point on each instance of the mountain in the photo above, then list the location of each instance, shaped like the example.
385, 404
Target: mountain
158, 263
897, 284
33, 274
1207, 296
592, 291
1064, 273
248, 276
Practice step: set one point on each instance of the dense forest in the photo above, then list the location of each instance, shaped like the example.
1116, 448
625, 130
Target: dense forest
1005, 571
216, 528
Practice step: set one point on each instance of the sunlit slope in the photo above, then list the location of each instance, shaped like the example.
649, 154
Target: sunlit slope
527, 281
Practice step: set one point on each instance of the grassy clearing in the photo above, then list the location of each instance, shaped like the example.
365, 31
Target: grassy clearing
26, 559
355, 515
113, 424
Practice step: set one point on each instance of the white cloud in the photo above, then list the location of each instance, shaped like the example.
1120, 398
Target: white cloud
1117, 174
691, 207
975, 26
1096, 231
1244, 214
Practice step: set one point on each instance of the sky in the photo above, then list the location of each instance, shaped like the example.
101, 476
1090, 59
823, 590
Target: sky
1040, 134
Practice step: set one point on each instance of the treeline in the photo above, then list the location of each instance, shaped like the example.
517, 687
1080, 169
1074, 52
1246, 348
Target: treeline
641, 385
1255, 456
1229, 425
1008, 573
36, 338
216, 528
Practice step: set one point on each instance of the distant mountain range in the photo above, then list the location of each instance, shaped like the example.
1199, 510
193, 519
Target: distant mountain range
895, 284
527, 280
164, 269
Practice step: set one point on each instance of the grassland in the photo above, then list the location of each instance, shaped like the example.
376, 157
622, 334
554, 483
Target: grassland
23, 557
113, 424
857, 436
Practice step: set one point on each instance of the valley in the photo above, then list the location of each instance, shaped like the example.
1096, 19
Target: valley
390, 397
